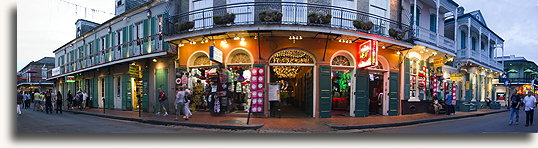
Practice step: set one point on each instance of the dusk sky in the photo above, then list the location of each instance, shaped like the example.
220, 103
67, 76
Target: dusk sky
45, 25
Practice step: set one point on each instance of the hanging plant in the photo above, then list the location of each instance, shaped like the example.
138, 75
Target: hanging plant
182, 26
363, 25
228, 18
396, 33
270, 16
319, 18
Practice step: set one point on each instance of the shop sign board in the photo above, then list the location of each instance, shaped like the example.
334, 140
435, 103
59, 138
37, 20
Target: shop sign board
456, 77
215, 54
56, 71
367, 53
134, 71
438, 62
70, 79
500, 96
467, 85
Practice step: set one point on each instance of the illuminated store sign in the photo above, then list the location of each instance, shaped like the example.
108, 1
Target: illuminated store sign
70, 79
367, 53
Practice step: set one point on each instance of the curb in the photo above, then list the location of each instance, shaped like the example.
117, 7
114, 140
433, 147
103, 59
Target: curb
157, 122
339, 127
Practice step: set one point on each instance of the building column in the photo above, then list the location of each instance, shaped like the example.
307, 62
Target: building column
480, 42
469, 50
437, 23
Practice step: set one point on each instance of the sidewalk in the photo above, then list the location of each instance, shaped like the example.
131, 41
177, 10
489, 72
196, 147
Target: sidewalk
238, 122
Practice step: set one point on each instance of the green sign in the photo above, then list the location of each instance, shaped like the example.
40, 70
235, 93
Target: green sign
70, 79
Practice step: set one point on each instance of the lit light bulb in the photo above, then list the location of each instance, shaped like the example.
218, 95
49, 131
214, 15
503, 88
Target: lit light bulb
236, 38
242, 39
398, 53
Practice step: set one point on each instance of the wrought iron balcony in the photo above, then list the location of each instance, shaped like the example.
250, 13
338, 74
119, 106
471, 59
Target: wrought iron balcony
287, 13
479, 57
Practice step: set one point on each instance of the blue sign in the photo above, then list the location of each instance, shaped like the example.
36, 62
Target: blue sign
215, 54
507, 82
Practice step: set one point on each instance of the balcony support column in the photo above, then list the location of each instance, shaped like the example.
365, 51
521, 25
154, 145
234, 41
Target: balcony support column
437, 23
469, 50
414, 15
489, 46
480, 43
455, 13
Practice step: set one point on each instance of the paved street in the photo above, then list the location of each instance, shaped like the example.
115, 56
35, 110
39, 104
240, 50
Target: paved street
494, 123
39, 122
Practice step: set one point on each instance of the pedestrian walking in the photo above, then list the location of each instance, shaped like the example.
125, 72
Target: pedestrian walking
488, 102
449, 105
42, 102
37, 101
530, 104
162, 99
19, 102
514, 108
69, 99
59, 102
188, 99
27, 100
79, 99
48, 102
180, 103
84, 99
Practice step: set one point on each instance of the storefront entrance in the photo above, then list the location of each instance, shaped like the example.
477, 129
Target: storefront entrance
295, 92
293, 70
377, 96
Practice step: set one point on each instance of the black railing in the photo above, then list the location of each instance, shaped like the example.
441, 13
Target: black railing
517, 80
288, 13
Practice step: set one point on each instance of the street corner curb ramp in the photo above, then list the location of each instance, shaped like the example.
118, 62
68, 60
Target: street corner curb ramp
158, 122
343, 127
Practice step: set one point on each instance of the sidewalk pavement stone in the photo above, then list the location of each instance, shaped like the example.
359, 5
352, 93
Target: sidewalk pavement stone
238, 121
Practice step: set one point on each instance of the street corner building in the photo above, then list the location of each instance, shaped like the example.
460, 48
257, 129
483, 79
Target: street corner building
283, 58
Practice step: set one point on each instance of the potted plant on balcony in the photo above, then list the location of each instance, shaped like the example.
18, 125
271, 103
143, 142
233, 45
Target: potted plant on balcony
270, 16
396, 33
224, 19
182, 26
319, 18
363, 25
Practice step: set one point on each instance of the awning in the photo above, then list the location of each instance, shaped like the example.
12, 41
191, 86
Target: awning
512, 71
528, 71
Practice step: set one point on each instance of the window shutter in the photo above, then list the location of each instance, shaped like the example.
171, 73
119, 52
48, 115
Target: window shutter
325, 91
362, 93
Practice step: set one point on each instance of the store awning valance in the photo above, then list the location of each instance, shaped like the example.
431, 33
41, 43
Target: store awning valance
512, 71
535, 73
528, 71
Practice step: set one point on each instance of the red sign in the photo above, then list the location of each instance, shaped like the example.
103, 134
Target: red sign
367, 54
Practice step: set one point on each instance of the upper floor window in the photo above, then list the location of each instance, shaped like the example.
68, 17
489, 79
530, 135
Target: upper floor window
433, 22
483, 45
103, 41
160, 24
415, 19
119, 3
473, 43
463, 40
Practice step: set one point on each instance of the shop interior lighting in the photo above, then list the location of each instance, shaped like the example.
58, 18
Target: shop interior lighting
236, 38
295, 37
383, 47
155, 60
398, 53
181, 44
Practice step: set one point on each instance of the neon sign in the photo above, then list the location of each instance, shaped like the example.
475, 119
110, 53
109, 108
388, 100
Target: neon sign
367, 53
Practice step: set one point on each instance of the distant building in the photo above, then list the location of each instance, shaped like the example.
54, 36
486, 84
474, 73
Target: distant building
520, 74
33, 76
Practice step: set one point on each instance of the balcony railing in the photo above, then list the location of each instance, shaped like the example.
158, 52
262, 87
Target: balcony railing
428, 36
476, 56
137, 47
291, 13
517, 80
33, 80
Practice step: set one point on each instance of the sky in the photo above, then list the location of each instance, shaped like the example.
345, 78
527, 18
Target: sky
45, 25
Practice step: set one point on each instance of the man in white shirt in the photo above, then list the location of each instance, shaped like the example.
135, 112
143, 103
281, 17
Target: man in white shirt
530, 104
84, 98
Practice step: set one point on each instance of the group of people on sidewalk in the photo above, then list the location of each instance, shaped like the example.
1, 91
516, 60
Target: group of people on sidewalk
49, 101
528, 103
181, 103
449, 102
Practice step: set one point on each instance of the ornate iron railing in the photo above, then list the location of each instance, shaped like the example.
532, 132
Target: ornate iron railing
287, 13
